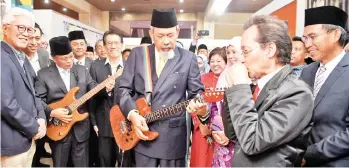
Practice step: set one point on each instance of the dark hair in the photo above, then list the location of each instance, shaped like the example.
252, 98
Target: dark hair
297, 38
111, 32
272, 30
202, 46
218, 51
126, 50
146, 40
38, 27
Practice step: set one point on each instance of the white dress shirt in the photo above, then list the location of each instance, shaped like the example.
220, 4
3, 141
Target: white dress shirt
265, 79
114, 68
331, 65
35, 63
82, 61
65, 75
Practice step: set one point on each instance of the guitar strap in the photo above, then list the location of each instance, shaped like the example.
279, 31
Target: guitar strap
148, 83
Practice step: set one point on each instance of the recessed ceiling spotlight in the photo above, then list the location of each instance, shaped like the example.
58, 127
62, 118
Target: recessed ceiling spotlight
64, 9
47, 1
123, 9
181, 10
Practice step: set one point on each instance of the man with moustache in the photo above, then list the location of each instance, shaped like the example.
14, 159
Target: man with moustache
272, 123
52, 85
79, 47
325, 37
174, 72
22, 116
38, 59
100, 51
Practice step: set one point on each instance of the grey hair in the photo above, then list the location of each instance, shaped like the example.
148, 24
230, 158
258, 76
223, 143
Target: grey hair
343, 37
273, 30
11, 15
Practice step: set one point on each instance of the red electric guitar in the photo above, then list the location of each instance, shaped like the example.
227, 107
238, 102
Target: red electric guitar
123, 130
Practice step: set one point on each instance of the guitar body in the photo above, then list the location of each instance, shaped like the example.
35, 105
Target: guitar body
123, 131
58, 132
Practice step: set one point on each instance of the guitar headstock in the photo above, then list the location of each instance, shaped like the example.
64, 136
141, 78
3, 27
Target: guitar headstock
213, 95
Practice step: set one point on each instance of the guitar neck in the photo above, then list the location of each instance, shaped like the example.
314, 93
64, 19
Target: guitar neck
91, 93
162, 113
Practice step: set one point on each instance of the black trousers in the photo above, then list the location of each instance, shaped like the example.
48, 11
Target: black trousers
145, 161
40, 151
69, 146
109, 153
93, 149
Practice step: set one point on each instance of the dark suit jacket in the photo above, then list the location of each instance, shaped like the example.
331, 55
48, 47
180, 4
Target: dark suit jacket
272, 132
102, 103
44, 59
88, 62
19, 106
50, 88
330, 134
180, 75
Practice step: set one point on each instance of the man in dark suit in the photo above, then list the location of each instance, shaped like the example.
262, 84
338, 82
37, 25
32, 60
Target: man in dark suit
271, 124
324, 37
38, 58
174, 71
22, 116
100, 70
53, 84
100, 50
79, 47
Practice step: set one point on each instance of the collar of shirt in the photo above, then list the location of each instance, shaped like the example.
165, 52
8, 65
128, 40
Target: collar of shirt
82, 60
61, 70
265, 79
299, 67
35, 58
19, 54
333, 63
120, 62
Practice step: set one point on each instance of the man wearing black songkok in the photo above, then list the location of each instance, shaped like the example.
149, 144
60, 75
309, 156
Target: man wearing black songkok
79, 48
324, 37
52, 85
174, 72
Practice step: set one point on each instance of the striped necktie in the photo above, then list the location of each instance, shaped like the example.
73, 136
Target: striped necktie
319, 80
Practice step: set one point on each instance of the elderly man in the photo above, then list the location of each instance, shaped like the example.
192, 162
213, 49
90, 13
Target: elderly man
22, 116
170, 82
100, 50
272, 122
325, 37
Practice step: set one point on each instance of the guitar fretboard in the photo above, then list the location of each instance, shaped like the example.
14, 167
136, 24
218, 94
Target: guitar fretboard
162, 113
91, 93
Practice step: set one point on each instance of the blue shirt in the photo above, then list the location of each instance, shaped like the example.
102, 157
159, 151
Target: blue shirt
298, 70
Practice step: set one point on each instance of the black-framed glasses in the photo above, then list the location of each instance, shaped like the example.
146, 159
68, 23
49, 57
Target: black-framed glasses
22, 29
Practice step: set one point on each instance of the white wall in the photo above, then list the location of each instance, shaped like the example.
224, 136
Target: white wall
53, 25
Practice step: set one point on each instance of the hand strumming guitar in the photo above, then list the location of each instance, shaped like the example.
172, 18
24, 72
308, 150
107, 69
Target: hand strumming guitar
61, 114
139, 124
197, 108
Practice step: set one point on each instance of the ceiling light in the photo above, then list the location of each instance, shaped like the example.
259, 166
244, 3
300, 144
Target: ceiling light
181, 10
123, 9
47, 1
181, 1
64, 9
112, 0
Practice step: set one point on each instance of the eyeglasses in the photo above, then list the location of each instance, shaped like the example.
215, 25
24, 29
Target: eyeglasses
110, 43
21, 29
66, 58
246, 52
310, 38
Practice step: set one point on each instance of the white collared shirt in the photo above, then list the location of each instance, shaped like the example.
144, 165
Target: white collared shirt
265, 79
331, 65
82, 61
114, 68
35, 63
65, 75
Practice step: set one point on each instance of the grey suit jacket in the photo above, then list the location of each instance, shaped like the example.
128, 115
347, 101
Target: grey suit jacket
19, 106
330, 133
44, 58
88, 62
273, 131
51, 88
180, 75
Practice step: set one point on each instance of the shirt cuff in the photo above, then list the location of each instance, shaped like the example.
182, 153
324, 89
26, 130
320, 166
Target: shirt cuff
194, 42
